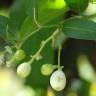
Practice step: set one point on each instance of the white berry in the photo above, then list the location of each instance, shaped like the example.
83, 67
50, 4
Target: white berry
24, 70
58, 80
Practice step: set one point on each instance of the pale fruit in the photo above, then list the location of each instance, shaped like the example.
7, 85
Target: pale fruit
24, 70
58, 80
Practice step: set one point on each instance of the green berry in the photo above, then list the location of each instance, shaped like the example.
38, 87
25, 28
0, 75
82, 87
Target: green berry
47, 69
24, 70
19, 55
58, 80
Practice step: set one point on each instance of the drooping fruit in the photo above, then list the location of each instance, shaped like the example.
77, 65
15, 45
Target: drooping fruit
58, 80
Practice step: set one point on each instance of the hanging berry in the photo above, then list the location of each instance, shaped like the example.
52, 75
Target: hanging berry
24, 70
58, 80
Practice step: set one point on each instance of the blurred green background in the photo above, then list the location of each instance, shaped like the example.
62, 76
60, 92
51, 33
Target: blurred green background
77, 56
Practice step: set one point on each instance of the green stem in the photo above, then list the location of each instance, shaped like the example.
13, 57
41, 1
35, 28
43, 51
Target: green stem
39, 28
59, 53
35, 20
43, 43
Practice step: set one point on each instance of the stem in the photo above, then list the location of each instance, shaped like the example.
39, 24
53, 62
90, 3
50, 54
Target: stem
43, 43
35, 20
34, 32
59, 53
39, 28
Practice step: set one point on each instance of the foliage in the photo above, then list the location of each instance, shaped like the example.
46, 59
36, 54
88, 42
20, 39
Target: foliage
33, 24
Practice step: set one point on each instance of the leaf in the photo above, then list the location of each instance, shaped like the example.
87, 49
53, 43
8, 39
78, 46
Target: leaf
22, 22
3, 26
77, 5
3, 31
80, 29
50, 11
45, 12
17, 17
29, 24
30, 5
27, 27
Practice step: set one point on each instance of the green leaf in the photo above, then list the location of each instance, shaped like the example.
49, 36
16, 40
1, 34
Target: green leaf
44, 14
3, 26
80, 29
30, 5
46, 10
27, 27
50, 10
21, 21
17, 17
77, 5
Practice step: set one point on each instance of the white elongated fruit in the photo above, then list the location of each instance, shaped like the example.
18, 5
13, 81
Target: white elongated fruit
24, 70
91, 10
47, 69
58, 80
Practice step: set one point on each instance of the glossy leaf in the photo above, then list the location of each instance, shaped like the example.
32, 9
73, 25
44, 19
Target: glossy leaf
3, 26
27, 27
22, 22
80, 29
77, 5
17, 17
46, 10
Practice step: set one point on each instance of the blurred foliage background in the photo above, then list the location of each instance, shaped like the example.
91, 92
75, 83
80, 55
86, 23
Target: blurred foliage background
77, 56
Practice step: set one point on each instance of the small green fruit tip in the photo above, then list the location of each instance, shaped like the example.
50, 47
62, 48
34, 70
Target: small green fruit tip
60, 68
20, 54
47, 69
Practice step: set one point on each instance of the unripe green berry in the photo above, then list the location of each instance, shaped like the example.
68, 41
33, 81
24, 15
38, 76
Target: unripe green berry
19, 55
47, 69
24, 70
58, 80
